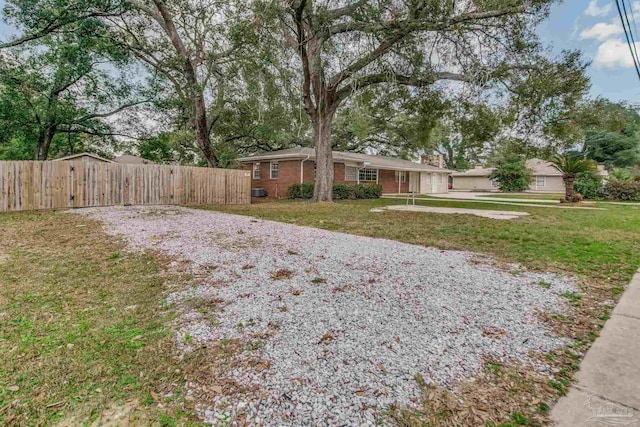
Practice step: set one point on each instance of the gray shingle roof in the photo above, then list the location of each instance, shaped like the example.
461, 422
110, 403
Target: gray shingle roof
362, 160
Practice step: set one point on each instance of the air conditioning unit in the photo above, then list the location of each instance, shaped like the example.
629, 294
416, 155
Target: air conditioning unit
258, 192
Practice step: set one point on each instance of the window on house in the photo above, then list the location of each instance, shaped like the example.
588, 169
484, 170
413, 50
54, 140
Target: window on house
256, 171
274, 170
494, 182
351, 173
540, 181
401, 176
368, 174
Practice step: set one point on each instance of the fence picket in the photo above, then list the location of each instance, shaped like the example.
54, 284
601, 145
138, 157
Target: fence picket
32, 185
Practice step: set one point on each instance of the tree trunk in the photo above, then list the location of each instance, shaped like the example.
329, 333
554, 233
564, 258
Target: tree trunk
568, 188
323, 189
44, 142
201, 125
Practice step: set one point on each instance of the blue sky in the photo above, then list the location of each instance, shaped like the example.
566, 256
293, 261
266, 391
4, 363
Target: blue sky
592, 26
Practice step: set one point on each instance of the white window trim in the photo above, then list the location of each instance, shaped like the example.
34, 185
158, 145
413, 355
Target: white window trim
544, 180
256, 168
494, 182
364, 171
354, 176
271, 170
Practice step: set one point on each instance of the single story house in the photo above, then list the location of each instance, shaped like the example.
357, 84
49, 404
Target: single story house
277, 170
545, 177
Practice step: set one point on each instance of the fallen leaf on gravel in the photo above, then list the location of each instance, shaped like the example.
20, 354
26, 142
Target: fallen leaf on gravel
326, 338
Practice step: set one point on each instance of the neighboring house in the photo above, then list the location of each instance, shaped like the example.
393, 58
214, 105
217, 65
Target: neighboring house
277, 170
544, 177
476, 179
123, 159
133, 160
86, 157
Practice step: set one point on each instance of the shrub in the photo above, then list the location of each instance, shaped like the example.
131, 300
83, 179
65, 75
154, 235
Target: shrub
343, 192
621, 190
300, 191
340, 191
588, 184
512, 175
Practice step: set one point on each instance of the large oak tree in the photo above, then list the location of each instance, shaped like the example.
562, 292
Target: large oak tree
347, 46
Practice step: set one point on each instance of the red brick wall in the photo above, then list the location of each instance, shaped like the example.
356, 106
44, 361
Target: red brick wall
289, 173
387, 178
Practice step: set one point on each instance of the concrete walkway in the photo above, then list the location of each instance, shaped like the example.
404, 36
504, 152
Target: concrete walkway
474, 195
607, 390
485, 213
430, 198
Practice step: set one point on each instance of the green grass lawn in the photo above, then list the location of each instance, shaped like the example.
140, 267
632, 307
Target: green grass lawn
84, 337
539, 196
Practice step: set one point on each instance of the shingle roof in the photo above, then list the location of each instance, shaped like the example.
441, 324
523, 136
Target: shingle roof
477, 171
85, 154
542, 167
535, 166
380, 162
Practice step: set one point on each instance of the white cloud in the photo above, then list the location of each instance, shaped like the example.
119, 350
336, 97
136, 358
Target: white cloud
594, 10
614, 53
602, 31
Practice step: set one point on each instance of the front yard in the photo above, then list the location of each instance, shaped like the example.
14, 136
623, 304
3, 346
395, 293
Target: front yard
226, 318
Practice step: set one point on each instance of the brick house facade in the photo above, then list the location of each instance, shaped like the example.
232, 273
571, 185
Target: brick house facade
277, 171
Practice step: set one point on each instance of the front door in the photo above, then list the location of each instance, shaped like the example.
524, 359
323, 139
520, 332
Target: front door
425, 183
414, 182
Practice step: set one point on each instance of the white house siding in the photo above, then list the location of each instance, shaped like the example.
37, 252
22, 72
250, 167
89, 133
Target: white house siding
552, 184
473, 183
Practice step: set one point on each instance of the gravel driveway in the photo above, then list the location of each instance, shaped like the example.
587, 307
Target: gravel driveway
353, 320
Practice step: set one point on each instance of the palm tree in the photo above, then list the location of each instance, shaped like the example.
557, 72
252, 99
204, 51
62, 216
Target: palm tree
571, 165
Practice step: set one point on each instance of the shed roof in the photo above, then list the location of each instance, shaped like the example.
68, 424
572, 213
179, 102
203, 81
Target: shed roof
85, 154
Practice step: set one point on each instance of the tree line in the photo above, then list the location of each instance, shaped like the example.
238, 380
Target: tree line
203, 81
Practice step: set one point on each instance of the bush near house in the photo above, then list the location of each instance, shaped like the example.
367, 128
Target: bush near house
340, 191
621, 190
588, 184
512, 175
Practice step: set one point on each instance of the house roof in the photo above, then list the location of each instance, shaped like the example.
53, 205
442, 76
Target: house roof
355, 159
131, 159
542, 167
85, 154
538, 167
478, 171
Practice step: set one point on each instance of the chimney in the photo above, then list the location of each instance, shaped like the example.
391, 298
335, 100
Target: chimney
436, 160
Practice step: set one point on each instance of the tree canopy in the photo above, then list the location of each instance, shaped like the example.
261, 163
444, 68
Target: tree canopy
204, 81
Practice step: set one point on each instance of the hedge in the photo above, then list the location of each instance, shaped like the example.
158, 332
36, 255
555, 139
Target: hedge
340, 191
621, 190
588, 184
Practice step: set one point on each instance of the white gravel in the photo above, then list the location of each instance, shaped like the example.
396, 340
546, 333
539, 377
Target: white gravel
351, 342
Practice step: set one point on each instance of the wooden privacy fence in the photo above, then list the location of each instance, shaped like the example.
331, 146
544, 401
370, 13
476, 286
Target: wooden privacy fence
32, 185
